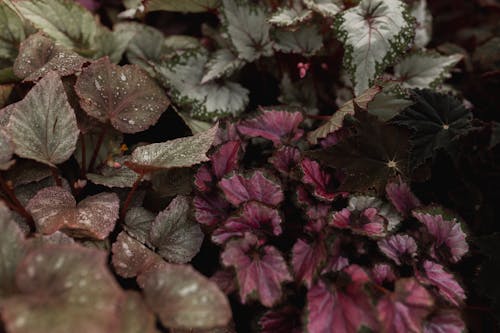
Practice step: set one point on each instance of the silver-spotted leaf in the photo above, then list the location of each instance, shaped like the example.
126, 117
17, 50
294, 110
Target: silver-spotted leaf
183, 298
222, 63
126, 96
138, 223
291, 16
327, 8
306, 40
43, 125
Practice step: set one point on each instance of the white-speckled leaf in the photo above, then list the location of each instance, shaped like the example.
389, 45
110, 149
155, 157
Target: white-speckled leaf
138, 223
63, 289
135, 316
423, 17
183, 75
181, 152
12, 32
306, 40
121, 177
39, 55
337, 119
126, 96
183, 298
54, 208
185, 6
43, 125
6, 151
175, 234
425, 70
172, 182
248, 29
374, 34
222, 63
291, 16
11, 250
327, 8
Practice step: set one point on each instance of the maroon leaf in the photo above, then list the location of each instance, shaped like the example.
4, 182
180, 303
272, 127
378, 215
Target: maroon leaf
333, 310
404, 310
226, 280
284, 320
319, 179
277, 126
203, 180
382, 273
445, 322
260, 270
135, 316
225, 159
183, 298
447, 286
210, 209
307, 259
254, 217
174, 233
446, 234
397, 247
239, 189
63, 289
54, 208
285, 159
401, 197
126, 96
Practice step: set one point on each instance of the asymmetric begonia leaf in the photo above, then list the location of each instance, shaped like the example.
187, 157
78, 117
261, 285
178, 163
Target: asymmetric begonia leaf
306, 40
404, 310
401, 197
210, 209
374, 34
138, 223
327, 8
319, 179
177, 153
336, 121
277, 126
335, 310
225, 159
445, 321
285, 159
135, 316
259, 270
398, 247
425, 70
183, 298
63, 289
43, 125
125, 96
307, 259
258, 187
248, 29
445, 282
174, 232
184, 6
39, 55
54, 208
437, 120
222, 63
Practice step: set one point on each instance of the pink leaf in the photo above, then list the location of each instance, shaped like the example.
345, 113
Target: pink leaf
367, 223
445, 322
260, 270
285, 159
336, 262
445, 282
203, 179
319, 179
225, 280
404, 310
277, 126
254, 217
284, 320
225, 159
239, 189
447, 233
398, 246
401, 197
333, 310
306, 260
210, 209
382, 273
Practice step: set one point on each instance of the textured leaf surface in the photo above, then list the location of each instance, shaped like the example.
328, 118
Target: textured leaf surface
327, 8
222, 63
446, 283
291, 16
306, 260
258, 187
138, 223
63, 289
6, 151
307, 40
39, 55
43, 125
126, 96
185, 6
374, 33
174, 232
445, 321
12, 32
183, 298
423, 18
397, 247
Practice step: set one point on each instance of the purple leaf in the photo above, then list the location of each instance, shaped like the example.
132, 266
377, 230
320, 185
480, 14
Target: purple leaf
203, 179
347, 310
285, 159
319, 179
404, 310
260, 270
307, 259
446, 233
125, 96
382, 273
284, 320
183, 298
91, 5
401, 197
226, 280
176, 236
397, 247
445, 322
54, 208
254, 217
210, 209
447, 286
258, 187
277, 126
225, 159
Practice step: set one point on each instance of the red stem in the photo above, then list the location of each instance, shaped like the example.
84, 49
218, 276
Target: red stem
128, 200
16, 205
55, 174
97, 148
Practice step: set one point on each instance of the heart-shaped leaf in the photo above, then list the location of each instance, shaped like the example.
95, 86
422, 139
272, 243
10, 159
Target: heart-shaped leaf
43, 125
54, 208
174, 232
126, 96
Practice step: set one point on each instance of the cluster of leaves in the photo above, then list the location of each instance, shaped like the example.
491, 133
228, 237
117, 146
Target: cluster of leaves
314, 222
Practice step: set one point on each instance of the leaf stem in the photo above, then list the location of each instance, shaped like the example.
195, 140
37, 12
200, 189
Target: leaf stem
55, 175
100, 140
83, 167
128, 200
16, 204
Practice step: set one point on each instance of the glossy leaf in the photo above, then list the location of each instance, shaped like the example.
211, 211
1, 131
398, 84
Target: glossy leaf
307, 259
258, 187
445, 282
319, 179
